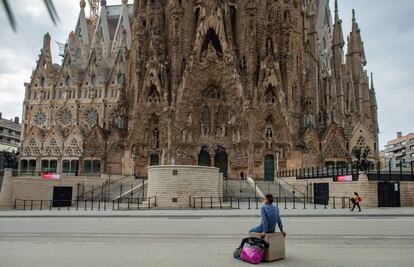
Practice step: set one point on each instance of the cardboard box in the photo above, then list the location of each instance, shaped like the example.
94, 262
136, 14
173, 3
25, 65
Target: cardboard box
276, 250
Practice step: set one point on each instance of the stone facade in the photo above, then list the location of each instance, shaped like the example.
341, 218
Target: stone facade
174, 185
248, 86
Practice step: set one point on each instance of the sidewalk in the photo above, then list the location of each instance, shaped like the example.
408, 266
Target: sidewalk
215, 213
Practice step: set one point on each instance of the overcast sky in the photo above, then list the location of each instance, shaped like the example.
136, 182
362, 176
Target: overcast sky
386, 26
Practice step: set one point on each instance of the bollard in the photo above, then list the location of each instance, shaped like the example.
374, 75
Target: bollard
285, 203
99, 204
24, 204
194, 203
189, 201
105, 205
201, 202
248, 201
41, 204
220, 202
58, 204
113, 204
15, 203
86, 201
149, 203
334, 202
31, 204
238, 203
294, 200
50, 205
314, 203
128, 202
324, 202
304, 202
257, 203
231, 201
211, 202
77, 204
92, 203
119, 199
277, 202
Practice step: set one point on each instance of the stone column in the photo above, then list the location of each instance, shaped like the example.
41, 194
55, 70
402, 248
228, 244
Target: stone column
6, 193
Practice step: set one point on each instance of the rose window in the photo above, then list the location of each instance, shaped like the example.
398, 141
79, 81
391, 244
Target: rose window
91, 117
39, 118
65, 117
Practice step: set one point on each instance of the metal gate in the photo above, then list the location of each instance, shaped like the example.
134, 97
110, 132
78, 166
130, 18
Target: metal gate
389, 194
269, 168
321, 193
62, 196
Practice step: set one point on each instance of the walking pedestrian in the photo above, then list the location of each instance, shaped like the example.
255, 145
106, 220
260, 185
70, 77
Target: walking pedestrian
356, 199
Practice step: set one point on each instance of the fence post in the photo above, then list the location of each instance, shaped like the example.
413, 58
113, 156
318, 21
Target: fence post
129, 199
231, 201
257, 203
211, 202
314, 202
58, 204
334, 203
285, 203
294, 198
304, 202
120, 191
77, 204
50, 205
113, 204
238, 203
77, 190
201, 202
86, 201
41, 204
220, 202
31, 204
119, 199
189, 201
389, 170
248, 201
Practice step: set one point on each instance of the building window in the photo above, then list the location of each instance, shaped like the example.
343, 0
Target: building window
70, 166
92, 166
49, 165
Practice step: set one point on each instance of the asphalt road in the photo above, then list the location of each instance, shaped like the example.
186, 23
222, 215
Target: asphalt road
387, 241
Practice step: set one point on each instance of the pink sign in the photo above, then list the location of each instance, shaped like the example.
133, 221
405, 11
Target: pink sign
345, 178
50, 176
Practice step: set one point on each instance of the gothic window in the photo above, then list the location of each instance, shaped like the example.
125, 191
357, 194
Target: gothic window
39, 118
32, 143
270, 96
42, 82
361, 142
212, 39
78, 53
53, 142
153, 95
91, 117
65, 117
269, 132
67, 80
205, 120
155, 139
120, 78
73, 142
93, 79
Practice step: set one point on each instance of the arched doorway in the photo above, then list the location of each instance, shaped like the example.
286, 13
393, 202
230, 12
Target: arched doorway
204, 157
154, 160
220, 160
269, 168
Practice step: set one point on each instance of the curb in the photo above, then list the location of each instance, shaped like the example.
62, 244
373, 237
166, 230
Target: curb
208, 216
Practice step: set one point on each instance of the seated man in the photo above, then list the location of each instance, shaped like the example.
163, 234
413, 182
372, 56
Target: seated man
270, 216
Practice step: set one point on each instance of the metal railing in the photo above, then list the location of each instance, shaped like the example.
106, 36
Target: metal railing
281, 202
120, 204
320, 172
389, 174
38, 173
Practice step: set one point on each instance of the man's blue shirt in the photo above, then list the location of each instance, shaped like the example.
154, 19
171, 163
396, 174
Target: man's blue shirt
270, 217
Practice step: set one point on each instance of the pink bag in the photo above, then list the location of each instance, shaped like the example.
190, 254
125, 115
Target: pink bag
252, 254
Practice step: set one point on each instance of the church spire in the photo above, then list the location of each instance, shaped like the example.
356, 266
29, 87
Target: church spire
83, 24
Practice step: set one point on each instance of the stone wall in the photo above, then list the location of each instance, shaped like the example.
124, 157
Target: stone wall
366, 189
173, 185
36, 188
407, 194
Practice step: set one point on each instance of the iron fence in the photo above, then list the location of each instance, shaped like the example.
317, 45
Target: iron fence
320, 172
281, 202
119, 204
389, 174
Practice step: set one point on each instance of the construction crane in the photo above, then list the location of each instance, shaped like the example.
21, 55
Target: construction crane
94, 11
